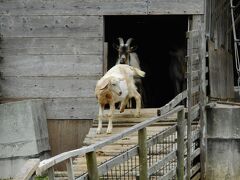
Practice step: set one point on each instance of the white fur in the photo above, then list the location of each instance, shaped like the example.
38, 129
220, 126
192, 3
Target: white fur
117, 85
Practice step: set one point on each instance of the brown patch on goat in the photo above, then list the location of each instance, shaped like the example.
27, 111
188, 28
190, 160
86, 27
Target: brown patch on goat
109, 96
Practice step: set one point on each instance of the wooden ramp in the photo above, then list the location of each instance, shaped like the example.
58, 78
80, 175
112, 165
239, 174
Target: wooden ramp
120, 123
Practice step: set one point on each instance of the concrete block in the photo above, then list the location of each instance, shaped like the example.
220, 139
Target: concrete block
223, 142
9, 167
23, 135
223, 159
223, 121
23, 129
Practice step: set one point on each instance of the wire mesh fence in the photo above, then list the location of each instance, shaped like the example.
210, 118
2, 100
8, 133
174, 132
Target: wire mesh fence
161, 158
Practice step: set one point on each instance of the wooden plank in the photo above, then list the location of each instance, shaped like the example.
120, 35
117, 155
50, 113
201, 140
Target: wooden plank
51, 65
62, 139
173, 103
197, 176
50, 173
92, 166
70, 169
48, 87
66, 108
51, 26
195, 154
27, 170
195, 169
73, 7
170, 174
176, 7
180, 145
105, 57
71, 108
50, 46
142, 153
220, 73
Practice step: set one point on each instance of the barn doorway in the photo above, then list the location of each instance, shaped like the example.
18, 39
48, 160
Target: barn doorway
155, 37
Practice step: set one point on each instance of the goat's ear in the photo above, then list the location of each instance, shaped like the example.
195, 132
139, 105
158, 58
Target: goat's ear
133, 48
104, 84
115, 46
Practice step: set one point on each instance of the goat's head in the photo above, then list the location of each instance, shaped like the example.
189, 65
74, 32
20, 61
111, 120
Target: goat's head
112, 84
124, 50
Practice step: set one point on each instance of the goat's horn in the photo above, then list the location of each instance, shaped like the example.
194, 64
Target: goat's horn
129, 41
121, 41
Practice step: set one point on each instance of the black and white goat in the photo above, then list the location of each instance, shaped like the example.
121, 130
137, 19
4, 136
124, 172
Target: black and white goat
126, 55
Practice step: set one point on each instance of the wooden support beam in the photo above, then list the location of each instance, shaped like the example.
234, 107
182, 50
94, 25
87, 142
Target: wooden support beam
92, 165
142, 142
70, 169
50, 173
180, 145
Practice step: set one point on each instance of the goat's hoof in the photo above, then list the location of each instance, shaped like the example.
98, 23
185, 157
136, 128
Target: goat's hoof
98, 131
137, 115
109, 131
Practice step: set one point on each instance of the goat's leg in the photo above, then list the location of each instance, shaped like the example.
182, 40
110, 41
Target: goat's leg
137, 97
100, 116
123, 104
111, 111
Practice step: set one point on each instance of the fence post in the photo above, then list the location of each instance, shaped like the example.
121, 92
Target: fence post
50, 173
92, 165
180, 144
70, 169
142, 142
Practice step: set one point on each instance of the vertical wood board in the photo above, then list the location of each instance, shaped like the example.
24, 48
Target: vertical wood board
220, 73
65, 135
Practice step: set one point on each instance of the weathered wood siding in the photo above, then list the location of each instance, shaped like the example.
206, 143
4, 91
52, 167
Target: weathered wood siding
53, 50
220, 73
54, 57
218, 30
176, 7
64, 139
101, 7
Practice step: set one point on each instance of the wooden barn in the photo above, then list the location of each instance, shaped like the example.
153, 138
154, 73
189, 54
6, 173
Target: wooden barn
55, 51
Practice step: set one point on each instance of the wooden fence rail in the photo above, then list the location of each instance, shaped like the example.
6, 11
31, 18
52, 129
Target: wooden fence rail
93, 170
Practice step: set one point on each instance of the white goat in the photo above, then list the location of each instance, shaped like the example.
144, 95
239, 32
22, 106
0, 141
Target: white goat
117, 85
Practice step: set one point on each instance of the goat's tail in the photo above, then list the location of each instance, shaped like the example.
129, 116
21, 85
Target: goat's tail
138, 72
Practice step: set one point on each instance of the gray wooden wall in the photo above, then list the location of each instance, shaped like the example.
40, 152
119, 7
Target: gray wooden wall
53, 50
221, 63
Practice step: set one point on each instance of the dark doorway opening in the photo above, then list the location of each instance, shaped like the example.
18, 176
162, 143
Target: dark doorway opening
155, 37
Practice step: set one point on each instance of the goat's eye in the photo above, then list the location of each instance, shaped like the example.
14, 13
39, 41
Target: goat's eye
114, 84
